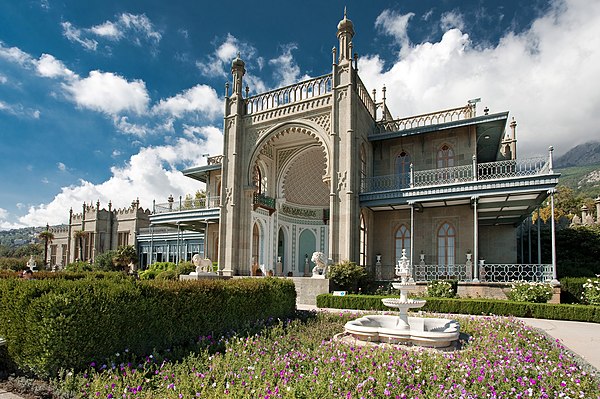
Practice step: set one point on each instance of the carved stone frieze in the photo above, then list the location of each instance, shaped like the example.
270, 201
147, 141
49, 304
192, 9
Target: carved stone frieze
292, 109
323, 120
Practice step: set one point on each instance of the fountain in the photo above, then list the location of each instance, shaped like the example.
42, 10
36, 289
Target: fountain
401, 329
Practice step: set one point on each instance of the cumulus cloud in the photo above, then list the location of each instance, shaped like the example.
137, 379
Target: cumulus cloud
525, 73
5, 224
198, 99
109, 30
61, 166
3, 79
50, 67
109, 93
152, 173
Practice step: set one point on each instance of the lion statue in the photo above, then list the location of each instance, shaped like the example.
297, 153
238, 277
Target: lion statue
202, 265
321, 262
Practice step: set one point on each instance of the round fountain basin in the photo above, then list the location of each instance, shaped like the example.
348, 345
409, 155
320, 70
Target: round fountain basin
428, 332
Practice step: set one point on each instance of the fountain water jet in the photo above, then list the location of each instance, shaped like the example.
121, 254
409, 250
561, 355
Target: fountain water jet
429, 332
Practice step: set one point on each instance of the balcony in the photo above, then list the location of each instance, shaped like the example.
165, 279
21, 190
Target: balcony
192, 214
265, 202
458, 174
186, 205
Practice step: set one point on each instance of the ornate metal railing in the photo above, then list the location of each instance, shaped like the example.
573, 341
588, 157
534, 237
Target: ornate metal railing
512, 168
187, 204
289, 94
506, 273
434, 118
458, 174
492, 273
365, 97
442, 176
264, 201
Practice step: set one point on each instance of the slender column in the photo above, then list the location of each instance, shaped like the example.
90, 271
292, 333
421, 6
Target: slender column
475, 166
529, 238
151, 245
178, 247
554, 278
412, 239
539, 241
475, 242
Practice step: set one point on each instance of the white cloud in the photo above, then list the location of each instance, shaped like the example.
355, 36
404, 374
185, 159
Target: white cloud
395, 25
219, 63
76, 35
3, 79
108, 29
109, 93
452, 19
61, 166
136, 28
115, 153
286, 71
45, 180
50, 67
200, 98
547, 76
14, 54
152, 173
19, 110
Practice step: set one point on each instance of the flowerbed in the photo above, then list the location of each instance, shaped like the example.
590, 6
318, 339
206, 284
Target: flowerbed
295, 359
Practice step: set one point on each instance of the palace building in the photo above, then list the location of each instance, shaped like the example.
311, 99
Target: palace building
322, 165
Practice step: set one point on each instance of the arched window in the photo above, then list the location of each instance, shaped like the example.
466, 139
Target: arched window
363, 166
259, 180
445, 157
363, 241
446, 238
402, 240
403, 169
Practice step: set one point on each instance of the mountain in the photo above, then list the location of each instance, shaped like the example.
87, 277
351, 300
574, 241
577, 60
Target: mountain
581, 155
580, 169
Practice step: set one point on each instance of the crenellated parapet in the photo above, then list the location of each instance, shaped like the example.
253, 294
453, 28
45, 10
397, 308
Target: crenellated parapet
61, 228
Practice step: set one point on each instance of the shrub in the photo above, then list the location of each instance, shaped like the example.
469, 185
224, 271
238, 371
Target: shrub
472, 306
79, 266
571, 289
346, 275
591, 292
15, 264
440, 289
57, 323
105, 261
155, 269
524, 291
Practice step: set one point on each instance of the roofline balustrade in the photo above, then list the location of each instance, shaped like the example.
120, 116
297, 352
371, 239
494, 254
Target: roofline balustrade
433, 118
290, 94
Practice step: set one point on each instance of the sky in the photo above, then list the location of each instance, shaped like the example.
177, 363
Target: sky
109, 100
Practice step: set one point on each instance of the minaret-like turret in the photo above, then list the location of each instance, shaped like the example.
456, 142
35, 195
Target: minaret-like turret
345, 34
238, 69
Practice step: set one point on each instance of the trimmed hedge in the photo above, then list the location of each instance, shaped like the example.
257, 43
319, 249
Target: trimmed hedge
472, 306
571, 289
57, 323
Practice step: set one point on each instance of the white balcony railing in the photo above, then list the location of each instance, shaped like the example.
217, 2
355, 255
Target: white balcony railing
187, 205
434, 118
488, 273
459, 174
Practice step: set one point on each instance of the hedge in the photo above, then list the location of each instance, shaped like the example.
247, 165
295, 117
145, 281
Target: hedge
472, 306
571, 289
57, 323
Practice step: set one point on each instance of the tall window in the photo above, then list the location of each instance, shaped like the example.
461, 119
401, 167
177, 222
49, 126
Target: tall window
363, 241
446, 237
363, 167
403, 169
64, 254
402, 241
122, 238
259, 180
53, 249
445, 157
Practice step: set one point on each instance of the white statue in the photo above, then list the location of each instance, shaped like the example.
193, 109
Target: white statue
31, 263
322, 263
202, 265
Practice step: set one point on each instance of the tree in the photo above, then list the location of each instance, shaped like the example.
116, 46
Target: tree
125, 255
47, 236
79, 236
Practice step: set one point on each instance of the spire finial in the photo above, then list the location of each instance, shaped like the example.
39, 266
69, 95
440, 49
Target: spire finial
344, 12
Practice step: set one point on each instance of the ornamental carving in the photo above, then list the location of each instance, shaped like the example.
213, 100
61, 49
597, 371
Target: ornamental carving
323, 120
341, 177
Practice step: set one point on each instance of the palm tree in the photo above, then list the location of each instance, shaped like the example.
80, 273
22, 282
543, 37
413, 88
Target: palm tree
47, 236
79, 236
